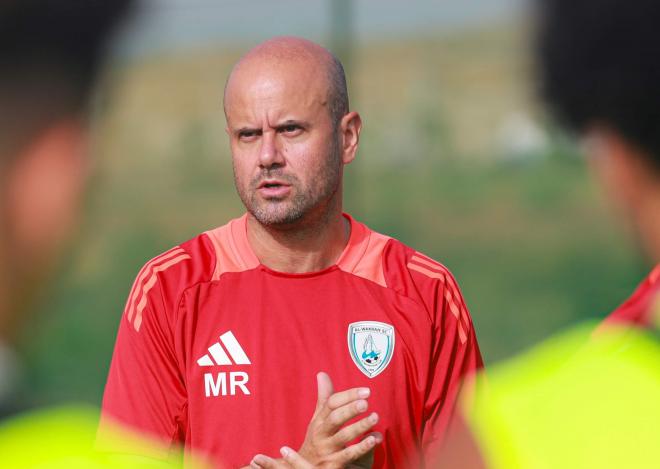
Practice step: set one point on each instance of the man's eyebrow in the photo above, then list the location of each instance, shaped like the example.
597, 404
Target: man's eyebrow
246, 128
288, 122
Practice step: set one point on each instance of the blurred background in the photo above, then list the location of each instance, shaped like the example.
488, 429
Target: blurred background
457, 159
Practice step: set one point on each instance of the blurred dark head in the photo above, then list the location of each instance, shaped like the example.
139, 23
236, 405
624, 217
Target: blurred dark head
50, 54
599, 67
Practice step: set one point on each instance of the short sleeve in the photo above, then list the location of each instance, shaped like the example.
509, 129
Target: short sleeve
145, 390
455, 355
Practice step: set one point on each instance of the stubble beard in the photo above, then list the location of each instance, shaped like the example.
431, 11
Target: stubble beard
289, 211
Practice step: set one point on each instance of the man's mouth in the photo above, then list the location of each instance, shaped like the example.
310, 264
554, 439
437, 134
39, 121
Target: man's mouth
268, 183
273, 188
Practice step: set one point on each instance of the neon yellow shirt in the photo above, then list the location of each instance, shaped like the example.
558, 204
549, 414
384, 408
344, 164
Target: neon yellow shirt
577, 401
61, 437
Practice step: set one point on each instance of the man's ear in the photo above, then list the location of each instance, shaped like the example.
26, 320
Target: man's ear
350, 128
621, 168
44, 185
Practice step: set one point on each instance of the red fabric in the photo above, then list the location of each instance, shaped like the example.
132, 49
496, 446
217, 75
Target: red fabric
290, 327
637, 310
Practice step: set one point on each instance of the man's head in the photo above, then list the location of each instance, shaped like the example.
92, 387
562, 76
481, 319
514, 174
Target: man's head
50, 53
290, 129
599, 70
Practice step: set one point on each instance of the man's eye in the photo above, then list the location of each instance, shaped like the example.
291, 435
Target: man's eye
247, 134
291, 129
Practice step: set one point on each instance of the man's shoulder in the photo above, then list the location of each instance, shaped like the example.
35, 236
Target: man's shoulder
198, 259
187, 261
162, 279
404, 267
399, 258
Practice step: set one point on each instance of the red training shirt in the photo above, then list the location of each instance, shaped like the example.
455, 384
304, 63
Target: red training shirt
638, 309
220, 353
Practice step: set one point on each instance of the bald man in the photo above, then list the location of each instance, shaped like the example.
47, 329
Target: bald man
223, 336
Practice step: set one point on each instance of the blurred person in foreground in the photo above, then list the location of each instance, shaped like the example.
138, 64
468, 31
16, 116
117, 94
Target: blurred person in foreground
223, 335
50, 56
51, 52
589, 398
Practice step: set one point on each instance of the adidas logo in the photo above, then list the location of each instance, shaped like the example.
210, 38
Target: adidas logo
219, 356
227, 351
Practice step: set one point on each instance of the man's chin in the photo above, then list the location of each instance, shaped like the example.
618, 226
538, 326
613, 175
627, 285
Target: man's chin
276, 218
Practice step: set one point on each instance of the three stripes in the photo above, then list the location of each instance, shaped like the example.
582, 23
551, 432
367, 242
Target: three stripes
433, 269
146, 279
218, 356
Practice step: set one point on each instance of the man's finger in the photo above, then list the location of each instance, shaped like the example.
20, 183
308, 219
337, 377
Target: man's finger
294, 459
264, 462
354, 430
358, 450
337, 418
325, 389
344, 397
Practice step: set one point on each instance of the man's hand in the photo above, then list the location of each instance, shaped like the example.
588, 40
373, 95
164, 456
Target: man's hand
293, 460
326, 440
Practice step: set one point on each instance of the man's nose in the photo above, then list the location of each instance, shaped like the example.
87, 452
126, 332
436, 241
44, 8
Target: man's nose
269, 154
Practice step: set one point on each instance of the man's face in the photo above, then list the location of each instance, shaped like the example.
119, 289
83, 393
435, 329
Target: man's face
40, 196
285, 149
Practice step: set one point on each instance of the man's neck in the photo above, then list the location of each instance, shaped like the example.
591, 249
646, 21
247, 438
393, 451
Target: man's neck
308, 248
648, 225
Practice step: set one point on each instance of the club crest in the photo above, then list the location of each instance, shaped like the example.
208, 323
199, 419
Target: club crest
371, 345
